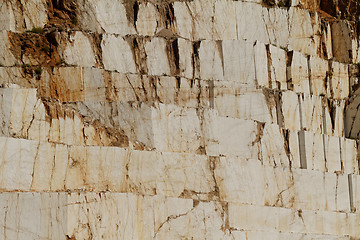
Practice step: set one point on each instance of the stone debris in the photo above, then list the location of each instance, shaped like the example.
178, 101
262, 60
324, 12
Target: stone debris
202, 119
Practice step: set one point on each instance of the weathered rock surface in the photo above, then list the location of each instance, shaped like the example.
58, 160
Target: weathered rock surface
216, 119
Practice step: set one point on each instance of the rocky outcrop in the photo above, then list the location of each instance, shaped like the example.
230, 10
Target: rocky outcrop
198, 119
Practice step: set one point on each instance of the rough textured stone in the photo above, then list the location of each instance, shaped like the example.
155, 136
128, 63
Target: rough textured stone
185, 119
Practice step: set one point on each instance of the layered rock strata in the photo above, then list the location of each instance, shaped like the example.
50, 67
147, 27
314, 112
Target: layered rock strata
204, 119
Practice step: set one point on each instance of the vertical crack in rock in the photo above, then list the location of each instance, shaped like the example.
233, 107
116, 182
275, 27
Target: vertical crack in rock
172, 51
96, 47
257, 140
221, 54
279, 112
131, 8
137, 45
309, 74
302, 149
286, 134
269, 64
329, 75
300, 97
211, 94
195, 60
34, 164
289, 81
270, 99
134, 90
351, 193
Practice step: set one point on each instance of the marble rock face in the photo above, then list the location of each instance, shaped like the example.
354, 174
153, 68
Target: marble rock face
181, 119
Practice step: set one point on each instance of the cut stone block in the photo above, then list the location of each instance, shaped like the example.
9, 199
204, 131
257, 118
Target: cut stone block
312, 151
318, 79
225, 24
340, 80
349, 156
277, 26
105, 16
238, 61
117, 54
157, 57
332, 153
311, 113
301, 31
278, 68
290, 110
250, 22
300, 73
148, 19
261, 64
212, 60
78, 50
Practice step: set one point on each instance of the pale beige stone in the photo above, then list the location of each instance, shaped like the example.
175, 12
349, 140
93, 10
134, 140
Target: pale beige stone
117, 54
290, 110
94, 84
225, 20
277, 26
249, 188
148, 19
237, 57
175, 129
273, 146
60, 163
332, 153
355, 50
19, 108
105, 16
311, 113
301, 31
234, 100
194, 19
294, 147
354, 181
43, 167
212, 62
33, 215
78, 50
334, 118
7, 17
312, 151
185, 58
318, 78
300, 73
169, 174
261, 65
157, 58
278, 68
233, 137
35, 13
252, 217
17, 163
309, 192
339, 80
349, 156
184, 20
250, 22
23, 15
6, 56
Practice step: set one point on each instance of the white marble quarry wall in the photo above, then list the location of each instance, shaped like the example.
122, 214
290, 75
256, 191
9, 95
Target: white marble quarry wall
203, 119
